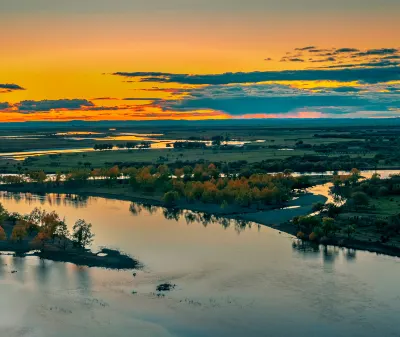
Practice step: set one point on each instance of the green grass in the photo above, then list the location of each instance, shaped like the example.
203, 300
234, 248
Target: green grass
101, 158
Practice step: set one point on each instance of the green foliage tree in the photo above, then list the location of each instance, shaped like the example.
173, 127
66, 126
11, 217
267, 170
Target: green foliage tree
170, 198
360, 199
317, 207
328, 226
82, 233
350, 230
63, 234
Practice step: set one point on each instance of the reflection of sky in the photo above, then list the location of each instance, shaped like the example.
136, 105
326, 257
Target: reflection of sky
228, 283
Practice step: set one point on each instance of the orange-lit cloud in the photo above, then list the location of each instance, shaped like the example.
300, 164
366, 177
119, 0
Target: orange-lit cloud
61, 51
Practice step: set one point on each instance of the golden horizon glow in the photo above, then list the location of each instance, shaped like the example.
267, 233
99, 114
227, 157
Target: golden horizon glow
59, 53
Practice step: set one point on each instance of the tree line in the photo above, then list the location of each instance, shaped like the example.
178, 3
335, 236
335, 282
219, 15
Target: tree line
41, 228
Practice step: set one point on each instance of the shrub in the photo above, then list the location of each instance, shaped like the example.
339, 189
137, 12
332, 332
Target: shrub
170, 198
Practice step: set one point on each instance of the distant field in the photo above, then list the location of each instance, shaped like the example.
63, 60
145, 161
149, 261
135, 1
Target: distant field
350, 140
103, 158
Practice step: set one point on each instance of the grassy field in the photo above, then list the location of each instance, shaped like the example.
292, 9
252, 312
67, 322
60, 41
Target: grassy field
331, 141
106, 158
379, 208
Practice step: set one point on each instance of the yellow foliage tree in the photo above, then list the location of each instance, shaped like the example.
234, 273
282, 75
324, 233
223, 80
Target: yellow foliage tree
3, 235
18, 233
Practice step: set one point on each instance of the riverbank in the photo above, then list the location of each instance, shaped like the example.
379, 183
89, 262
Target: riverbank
125, 192
266, 215
278, 218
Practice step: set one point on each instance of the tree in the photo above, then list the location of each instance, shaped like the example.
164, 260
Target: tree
355, 175
3, 214
41, 237
308, 223
63, 234
328, 226
3, 235
375, 178
170, 198
18, 233
38, 176
36, 216
82, 233
350, 230
360, 199
317, 207
51, 222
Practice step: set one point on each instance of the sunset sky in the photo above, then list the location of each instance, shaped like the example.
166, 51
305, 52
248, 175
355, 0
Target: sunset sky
198, 59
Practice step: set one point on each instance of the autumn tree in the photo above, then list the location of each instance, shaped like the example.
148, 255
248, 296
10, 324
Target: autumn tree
3, 214
37, 176
82, 233
18, 233
3, 235
355, 175
41, 238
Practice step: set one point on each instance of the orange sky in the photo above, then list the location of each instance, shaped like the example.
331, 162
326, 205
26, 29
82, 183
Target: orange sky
55, 52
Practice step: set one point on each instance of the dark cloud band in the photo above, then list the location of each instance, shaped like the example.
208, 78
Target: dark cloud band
366, 75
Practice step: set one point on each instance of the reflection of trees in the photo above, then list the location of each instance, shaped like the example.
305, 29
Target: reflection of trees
172, 214
83, 279
350, 254
206, 219
329, 253
136, 208
42, 272
191, 216
306, 247
74, 200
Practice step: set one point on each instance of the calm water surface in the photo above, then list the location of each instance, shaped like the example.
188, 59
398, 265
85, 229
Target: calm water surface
232, 280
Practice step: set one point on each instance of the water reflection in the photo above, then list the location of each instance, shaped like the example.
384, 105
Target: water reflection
192, 216
235, 280
74, 200
328, 253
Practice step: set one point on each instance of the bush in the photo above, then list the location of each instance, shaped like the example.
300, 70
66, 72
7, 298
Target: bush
300, 235
313, 237
170, 198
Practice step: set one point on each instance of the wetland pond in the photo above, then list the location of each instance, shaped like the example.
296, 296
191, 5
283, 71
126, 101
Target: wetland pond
232, 279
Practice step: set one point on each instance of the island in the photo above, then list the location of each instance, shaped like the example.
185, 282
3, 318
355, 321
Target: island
47, 236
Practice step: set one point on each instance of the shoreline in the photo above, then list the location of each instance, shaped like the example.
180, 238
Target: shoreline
266, 217
105, 258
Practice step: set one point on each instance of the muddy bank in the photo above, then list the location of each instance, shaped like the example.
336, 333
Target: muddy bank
279, 218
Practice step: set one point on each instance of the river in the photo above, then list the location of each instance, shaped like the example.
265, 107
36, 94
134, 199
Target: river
232, 280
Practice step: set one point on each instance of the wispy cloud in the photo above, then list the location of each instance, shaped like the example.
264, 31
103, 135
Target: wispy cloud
8, 87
